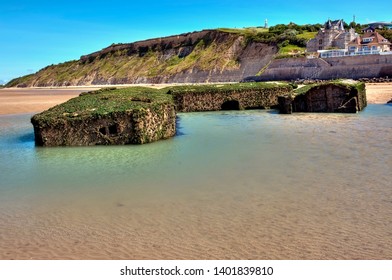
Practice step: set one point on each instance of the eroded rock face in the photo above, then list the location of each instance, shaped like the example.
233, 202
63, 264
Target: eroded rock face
327, 97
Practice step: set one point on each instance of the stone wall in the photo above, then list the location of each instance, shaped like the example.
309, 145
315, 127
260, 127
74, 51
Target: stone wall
128, 127
356, 67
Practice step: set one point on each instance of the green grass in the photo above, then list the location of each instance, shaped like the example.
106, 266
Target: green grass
244, 31
307, 35
291, 49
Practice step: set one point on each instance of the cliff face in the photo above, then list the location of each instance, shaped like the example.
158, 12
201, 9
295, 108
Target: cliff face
206, 56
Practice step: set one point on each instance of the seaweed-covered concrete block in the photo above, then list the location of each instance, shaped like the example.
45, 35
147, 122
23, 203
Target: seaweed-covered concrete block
329, 97
107, 117
228, 96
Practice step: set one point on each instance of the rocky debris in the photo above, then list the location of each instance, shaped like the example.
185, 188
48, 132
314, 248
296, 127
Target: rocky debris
377, 80
328, 97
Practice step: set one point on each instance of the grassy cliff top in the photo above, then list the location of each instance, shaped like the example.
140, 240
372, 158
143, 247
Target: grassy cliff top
105, 102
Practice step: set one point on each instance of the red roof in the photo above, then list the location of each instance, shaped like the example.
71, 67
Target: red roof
377, 39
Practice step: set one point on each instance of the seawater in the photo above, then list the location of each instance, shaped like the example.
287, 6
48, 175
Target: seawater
230, 185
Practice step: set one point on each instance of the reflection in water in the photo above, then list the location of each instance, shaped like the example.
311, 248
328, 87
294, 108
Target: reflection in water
241, 185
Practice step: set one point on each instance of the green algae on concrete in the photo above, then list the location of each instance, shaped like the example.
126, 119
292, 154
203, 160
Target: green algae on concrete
339, 96
228, 96
133, 115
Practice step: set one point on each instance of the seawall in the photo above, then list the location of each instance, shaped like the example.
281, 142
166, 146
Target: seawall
355, 67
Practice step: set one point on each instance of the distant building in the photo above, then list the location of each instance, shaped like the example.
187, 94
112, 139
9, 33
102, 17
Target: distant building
332, 36
380, 25
369, 43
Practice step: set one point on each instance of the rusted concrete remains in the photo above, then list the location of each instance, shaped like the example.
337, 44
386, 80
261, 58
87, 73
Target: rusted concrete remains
326, 97
116, 118
200, 101
129, 127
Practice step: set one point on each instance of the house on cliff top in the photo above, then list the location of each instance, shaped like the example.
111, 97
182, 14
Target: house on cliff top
332, 36
334, 41
369, 43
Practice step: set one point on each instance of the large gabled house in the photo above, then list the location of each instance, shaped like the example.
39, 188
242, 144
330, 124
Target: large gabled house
369, 43
332, 36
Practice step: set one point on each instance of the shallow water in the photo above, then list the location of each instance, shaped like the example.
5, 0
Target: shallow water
230, 185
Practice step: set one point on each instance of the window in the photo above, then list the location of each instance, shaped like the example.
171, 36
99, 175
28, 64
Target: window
320, 41
374, 48
367, 40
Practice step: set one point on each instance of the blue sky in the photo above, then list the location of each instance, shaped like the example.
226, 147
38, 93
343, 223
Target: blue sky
34, 34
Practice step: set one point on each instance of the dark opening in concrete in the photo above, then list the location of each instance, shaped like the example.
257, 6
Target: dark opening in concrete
103, 130
113, 129
230, 105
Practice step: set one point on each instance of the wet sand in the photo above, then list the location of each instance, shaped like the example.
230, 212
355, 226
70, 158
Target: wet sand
29, 100
32, 100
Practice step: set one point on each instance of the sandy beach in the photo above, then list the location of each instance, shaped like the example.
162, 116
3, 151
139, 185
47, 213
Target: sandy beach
29, 100
32, 100
379, 93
